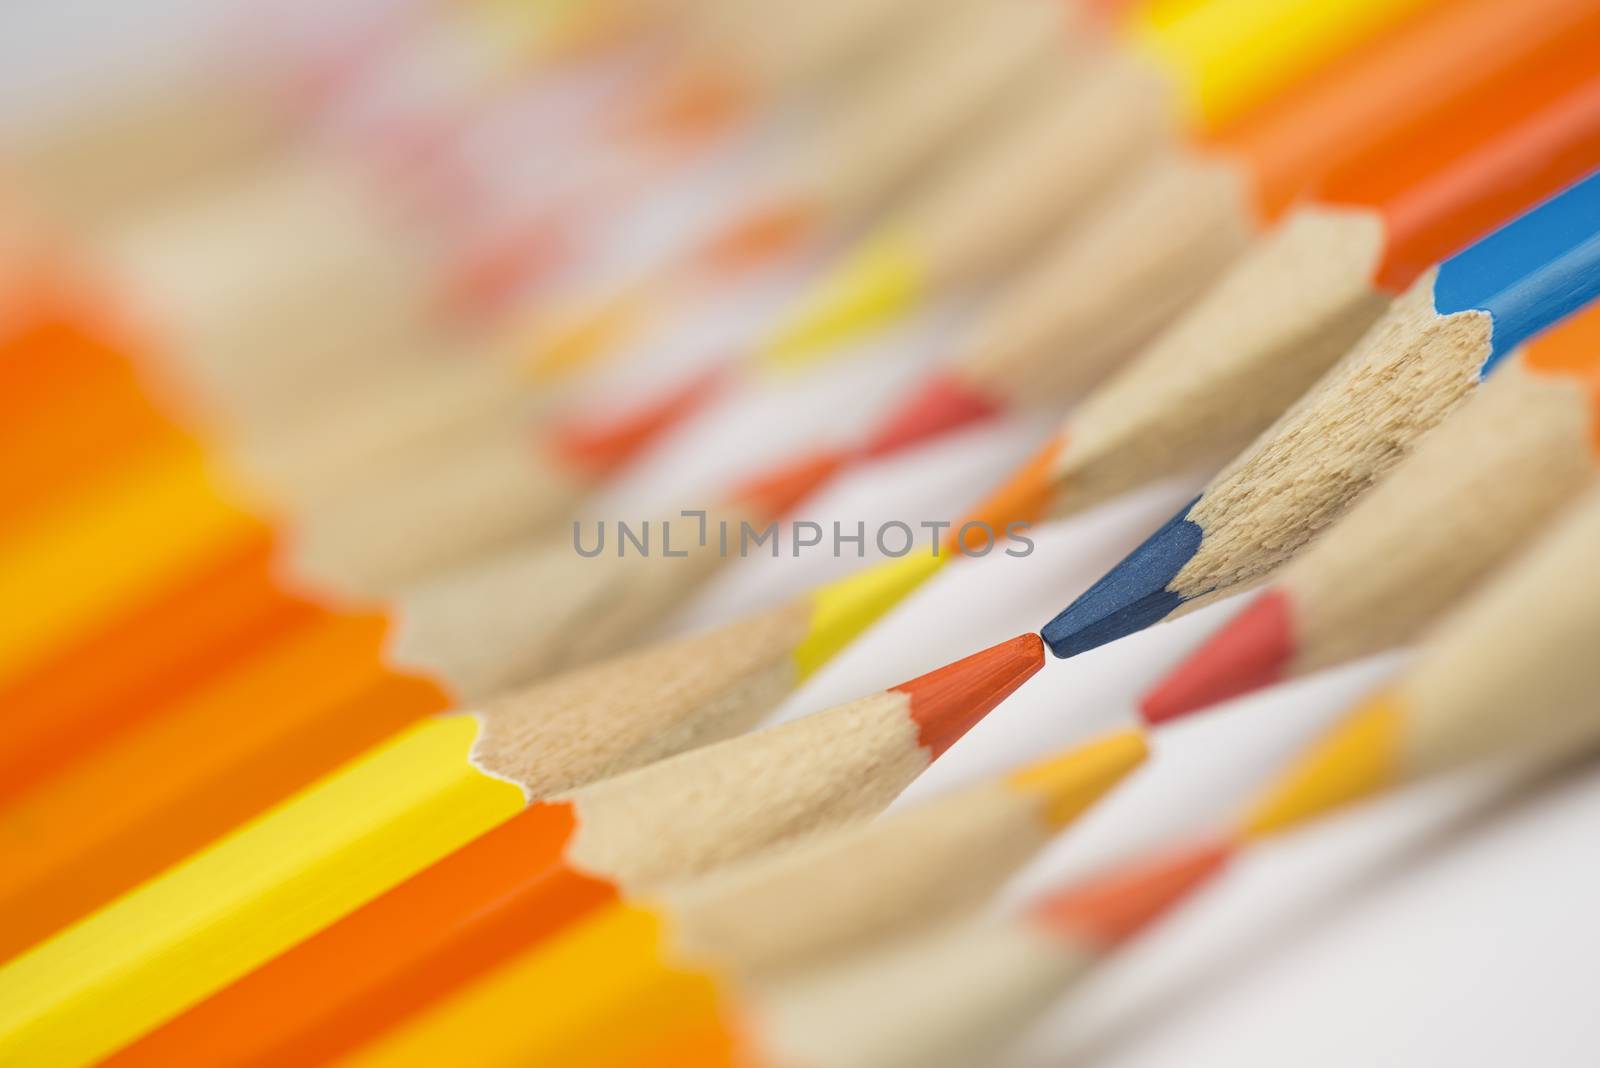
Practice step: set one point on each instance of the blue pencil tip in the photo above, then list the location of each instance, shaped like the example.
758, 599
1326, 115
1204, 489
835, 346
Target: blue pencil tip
1130, 596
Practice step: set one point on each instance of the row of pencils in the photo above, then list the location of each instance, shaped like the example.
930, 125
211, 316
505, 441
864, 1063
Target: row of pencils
324, 740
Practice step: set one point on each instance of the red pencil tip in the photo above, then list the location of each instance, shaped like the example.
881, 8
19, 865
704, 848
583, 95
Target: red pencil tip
604, 447
490, 277
1109, 910
943, 404
947, 703
776, 493
1250, 653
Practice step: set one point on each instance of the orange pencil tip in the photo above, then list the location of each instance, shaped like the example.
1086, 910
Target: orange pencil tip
687, 106
943, 404
1026, 498
1248, 654
777, 492
603, 447
760, 237
1112, 909
947, 703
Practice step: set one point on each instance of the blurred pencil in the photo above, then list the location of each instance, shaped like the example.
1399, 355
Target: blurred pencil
1202, 62
743, 55
370, 841
495, 898
771, 915
1474, 492
959, 991
176, 517
175, 133
319, 698
1416, 364
1461, 90
1506, 672
498, 488
682, 693
964, 62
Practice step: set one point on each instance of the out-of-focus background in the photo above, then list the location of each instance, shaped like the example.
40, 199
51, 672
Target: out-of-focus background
1405, 933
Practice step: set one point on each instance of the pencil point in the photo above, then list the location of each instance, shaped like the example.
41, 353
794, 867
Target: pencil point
1359, 758
577, 339
1110, 910
948, 702
1132, 595
490, 279
875, 286
1026, 498
604, 447
760, 237
685, 105
843, 609
1070, 782
776, 493
943, 404
1250, 653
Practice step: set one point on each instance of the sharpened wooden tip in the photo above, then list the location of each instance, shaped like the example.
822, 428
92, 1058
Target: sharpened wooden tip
761, 237
1248, 654
776, 493
1133, 595
1110, 910
1067, 784
687, 105
602, 448
1360, 757
946, 703
575, 340
875, 286
1026, 498
489, 279
943, 404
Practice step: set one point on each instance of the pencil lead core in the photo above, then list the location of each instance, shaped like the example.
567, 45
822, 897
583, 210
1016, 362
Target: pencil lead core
944, 403
1110, 910
1250, 653
1132, 595
948, 702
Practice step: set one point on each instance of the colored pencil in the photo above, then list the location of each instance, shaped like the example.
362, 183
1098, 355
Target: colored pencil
289, 745
505, 620
1515, 132
1201, 62
879, 446
1474, 492
742, 55
771, 915
103, 825
1508, 671
1461, 86
961, 65
177, 516
313, 1017
949, 997
178, 948
174, 133
1416, 364
503, 486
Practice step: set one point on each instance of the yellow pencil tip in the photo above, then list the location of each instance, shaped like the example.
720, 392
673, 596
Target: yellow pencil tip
1360, 757
1069, 783
842, 610
875, 286
567, 343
